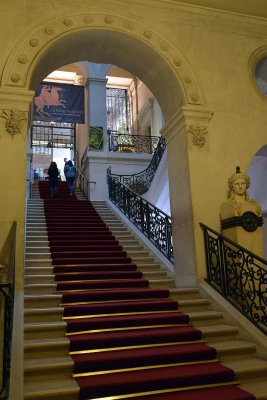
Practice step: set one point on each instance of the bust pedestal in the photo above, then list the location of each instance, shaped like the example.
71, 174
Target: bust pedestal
241, 223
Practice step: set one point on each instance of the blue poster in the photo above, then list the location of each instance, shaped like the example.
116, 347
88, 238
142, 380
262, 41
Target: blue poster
59, 102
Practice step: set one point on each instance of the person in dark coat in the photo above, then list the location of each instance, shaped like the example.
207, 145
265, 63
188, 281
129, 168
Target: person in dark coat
53, 174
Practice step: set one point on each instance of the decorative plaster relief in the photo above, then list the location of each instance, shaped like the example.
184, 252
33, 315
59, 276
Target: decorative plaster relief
147, 34
49, 30
198, 134
129, 25
88, 19
187, 79
17, 71
23, 59
178, 62
34, 42
13, 123
68, 22
194, 97
108, 20
15, 78
164, 47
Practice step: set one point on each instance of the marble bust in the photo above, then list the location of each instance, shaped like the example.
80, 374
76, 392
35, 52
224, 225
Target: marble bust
238, 197
241, 217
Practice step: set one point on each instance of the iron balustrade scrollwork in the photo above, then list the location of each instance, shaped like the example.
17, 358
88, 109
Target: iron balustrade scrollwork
141, 181
132, 143
150, 220
239, 275
7, 303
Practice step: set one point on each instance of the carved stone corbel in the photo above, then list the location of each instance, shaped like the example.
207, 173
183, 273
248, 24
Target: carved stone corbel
198, 135
13, 121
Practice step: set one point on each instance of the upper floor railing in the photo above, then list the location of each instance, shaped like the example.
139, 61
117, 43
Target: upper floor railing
7, 281
150, 220
141, 181
132, 143
238, 275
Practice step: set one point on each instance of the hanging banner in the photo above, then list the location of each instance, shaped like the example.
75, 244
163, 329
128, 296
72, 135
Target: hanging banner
59, 102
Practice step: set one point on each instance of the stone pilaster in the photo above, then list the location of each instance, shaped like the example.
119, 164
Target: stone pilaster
15, 106
185, 132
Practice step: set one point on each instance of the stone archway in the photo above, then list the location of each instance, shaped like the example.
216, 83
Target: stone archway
101, 37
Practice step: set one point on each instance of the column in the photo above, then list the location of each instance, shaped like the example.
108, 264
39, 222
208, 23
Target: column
184, 131
97, 110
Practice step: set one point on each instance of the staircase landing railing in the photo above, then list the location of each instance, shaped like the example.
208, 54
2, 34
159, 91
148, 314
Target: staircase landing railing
141, 181
150, 220
239, 275
129, 143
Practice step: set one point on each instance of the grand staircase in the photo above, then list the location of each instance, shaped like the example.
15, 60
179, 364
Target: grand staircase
103, 318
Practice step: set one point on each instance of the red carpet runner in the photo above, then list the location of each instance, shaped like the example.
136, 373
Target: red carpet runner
125, 337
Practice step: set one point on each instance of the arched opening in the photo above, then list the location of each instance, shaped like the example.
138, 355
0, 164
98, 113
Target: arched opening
109, 47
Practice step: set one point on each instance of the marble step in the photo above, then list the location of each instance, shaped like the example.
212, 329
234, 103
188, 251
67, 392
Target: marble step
49, 314
54, 389
42, 300
39, 370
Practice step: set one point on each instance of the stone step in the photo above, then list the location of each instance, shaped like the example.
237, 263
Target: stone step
214, 333
38, 278
37, 249
38, 262
35, 243
184, 293
48, 288
49, 278
32, 315
49, 314
36, 370
35, 238
257, 387
56, 389
205, 318
235, 349
36, 270
249, 369
37, 255
46, 348
42, 330
42, 300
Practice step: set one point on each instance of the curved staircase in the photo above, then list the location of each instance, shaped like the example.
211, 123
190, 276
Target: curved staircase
103, 318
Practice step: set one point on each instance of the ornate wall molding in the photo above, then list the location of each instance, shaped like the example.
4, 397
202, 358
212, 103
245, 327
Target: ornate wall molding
20, 63
192, 123
198, 135
254, 58
13, 121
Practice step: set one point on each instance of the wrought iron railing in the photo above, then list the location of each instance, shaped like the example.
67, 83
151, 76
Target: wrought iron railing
141, 181
132, 143
7, 261
150, 220
238, 275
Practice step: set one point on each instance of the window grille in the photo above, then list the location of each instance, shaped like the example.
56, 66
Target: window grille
118, 109
47, 135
